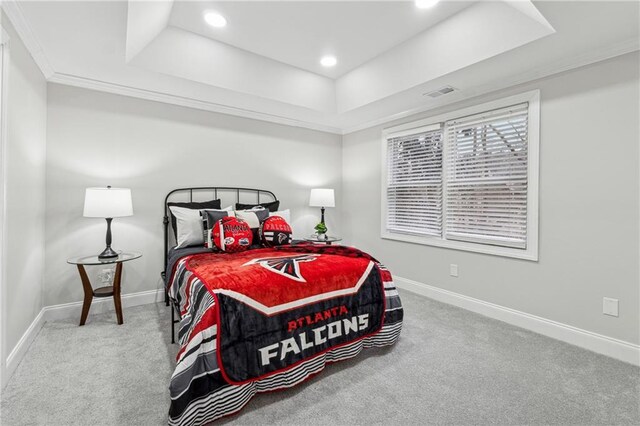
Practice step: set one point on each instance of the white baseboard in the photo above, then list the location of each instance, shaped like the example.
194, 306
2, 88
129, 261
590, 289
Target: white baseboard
22, 346
72, 310
614, 348
102, 305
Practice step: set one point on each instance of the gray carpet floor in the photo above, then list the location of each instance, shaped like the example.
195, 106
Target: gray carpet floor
450, 366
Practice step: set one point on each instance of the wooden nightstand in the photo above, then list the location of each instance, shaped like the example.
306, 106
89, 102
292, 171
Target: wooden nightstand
111, 290
326, 240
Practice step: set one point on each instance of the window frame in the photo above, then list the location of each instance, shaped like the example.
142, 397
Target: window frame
531, 251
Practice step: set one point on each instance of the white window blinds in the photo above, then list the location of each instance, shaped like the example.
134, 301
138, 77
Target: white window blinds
486, 178
414, 182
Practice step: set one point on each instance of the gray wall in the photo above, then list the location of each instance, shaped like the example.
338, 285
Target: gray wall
26, 93
589, 216
98, 139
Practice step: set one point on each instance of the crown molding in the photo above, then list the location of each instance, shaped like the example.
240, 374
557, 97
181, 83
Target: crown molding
576, 61
152, 95
627, 46
15, 15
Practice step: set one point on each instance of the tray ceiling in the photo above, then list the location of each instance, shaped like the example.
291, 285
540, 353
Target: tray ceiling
299, 33
265, 63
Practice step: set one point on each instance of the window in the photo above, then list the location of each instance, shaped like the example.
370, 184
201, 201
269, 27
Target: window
487, 178
414, 191
466, 180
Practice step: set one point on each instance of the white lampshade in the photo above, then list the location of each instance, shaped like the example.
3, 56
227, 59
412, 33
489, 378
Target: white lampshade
107, 202
322, 197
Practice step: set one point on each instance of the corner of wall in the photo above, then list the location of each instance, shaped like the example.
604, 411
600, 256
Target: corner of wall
24, 93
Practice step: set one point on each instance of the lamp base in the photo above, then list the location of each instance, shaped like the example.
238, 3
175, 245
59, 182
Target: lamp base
108, 253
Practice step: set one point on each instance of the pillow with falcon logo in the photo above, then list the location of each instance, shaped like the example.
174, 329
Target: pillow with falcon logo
232, 235
275, 231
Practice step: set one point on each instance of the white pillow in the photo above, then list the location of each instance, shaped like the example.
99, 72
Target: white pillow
285, 214
254, 217
189, 230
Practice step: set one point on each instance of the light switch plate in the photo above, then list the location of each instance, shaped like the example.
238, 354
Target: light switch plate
453, 270
610, 306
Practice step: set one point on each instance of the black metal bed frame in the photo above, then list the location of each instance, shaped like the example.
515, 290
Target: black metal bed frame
237, 191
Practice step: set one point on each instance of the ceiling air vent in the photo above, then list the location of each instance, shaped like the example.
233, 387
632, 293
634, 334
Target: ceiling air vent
442, 91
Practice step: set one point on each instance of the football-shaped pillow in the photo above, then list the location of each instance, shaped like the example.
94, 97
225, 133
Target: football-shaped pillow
275, 231
232, 235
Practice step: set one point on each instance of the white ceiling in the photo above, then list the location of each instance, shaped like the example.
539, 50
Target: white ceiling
264, 64
300, 33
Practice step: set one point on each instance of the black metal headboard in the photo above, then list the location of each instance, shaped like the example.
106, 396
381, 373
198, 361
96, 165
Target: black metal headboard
257, 195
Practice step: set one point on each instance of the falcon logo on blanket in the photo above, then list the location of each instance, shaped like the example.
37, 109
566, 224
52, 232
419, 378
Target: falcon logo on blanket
288, 266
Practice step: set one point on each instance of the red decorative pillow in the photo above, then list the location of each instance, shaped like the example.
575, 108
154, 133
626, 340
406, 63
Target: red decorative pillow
275, 231
232, 235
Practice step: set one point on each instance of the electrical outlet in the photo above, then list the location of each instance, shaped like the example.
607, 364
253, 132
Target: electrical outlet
610, 306
453, 270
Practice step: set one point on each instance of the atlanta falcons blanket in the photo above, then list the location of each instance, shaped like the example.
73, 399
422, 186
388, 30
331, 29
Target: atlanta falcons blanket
268, 319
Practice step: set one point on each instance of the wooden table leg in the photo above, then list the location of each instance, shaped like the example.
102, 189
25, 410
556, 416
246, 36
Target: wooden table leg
116, 292
88, 294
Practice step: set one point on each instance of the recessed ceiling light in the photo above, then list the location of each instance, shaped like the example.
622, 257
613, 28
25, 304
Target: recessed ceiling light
328, 61
426, 4
215, 19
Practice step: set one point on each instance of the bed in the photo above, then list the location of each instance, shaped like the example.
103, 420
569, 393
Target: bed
267, 318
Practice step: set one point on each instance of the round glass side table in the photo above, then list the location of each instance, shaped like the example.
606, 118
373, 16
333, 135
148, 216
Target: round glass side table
107, 291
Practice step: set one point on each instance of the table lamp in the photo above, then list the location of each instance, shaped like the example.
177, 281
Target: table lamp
322, 197
107, 203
